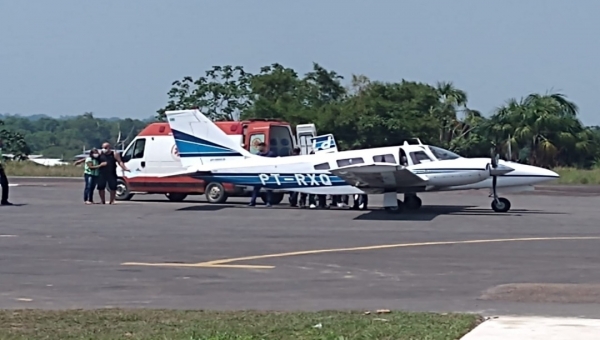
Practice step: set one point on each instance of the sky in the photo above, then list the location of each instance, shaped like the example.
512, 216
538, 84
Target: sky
119, 58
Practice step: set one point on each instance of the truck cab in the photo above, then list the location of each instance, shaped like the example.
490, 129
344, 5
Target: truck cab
275, 133
153, 153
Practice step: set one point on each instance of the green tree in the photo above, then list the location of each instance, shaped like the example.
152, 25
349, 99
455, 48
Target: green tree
14, 143
67, 137
541, 129
222, 94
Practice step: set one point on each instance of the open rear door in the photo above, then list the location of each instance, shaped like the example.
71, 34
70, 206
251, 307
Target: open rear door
324, 144
304, 135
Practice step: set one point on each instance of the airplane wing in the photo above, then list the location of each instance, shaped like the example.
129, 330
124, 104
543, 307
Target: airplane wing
379, 175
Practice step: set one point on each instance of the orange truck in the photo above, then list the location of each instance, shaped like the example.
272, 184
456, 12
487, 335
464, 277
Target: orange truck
153, 153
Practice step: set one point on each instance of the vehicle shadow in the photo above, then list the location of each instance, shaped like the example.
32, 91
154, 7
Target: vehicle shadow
206, 207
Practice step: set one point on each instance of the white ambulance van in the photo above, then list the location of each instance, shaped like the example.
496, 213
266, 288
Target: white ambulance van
153, 153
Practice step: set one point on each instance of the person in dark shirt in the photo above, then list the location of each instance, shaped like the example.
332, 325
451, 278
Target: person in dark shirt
3, 179
294, 194
264, 151
312, 198
108, 173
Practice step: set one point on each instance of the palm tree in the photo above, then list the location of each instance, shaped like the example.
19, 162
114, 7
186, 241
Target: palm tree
542, 124
451, 100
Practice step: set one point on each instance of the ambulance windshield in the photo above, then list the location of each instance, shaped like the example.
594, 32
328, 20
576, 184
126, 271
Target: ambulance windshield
442, 154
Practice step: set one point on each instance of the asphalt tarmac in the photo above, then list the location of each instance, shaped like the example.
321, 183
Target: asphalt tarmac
456, 254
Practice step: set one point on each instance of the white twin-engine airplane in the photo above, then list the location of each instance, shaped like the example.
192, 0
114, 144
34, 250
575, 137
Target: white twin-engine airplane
209, 154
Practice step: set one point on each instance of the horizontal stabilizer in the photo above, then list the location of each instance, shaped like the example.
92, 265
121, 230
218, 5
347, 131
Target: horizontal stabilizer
193, 170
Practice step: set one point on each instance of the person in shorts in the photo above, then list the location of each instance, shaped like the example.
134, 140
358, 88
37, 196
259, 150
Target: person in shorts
107, 176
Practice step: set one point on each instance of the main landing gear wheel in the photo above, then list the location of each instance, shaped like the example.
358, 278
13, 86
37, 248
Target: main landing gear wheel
276, 197
501, 205
176, 197
395, 209
215, 193
412, 202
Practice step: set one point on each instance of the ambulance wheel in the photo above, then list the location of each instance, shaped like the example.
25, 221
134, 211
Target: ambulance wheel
215, 193
176, 197
122, 191
276, 197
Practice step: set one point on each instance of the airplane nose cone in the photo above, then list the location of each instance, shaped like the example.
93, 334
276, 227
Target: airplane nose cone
542, 173
553, 174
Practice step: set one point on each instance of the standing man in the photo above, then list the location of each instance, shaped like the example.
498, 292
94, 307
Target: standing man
107, 175
3, 179
265, 152
294, 194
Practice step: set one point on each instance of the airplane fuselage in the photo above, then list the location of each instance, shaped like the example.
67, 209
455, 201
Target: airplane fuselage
310, 173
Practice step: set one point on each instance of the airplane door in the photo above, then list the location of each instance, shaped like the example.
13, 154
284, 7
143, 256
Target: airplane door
135, 160
403, 158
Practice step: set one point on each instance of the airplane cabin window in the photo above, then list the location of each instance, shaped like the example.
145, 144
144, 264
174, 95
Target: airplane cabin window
442, 154
388, 158
322, 166
419, 157
349, 161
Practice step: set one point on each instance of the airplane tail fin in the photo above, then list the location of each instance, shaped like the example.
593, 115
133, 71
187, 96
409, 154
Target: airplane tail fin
324, 144
198, 139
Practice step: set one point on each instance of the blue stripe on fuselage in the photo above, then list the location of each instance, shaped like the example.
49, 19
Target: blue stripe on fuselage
277, 181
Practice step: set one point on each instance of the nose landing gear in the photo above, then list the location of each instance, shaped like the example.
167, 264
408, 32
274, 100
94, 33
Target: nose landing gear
499, 204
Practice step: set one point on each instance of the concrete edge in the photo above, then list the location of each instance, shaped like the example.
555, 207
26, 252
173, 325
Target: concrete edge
504, 327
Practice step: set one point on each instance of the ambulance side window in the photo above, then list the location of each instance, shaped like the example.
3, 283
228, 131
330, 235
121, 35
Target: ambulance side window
256, 139
139, 148
126, 157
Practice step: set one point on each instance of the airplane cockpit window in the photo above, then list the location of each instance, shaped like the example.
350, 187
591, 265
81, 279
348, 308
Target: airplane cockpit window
322, 166
349, 161
419, 157
443, 154
388, 158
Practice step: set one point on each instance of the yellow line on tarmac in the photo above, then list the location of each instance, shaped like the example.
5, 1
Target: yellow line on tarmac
196, 265
224, 263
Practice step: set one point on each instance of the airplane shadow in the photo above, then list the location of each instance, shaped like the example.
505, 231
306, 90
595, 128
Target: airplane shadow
429, 212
